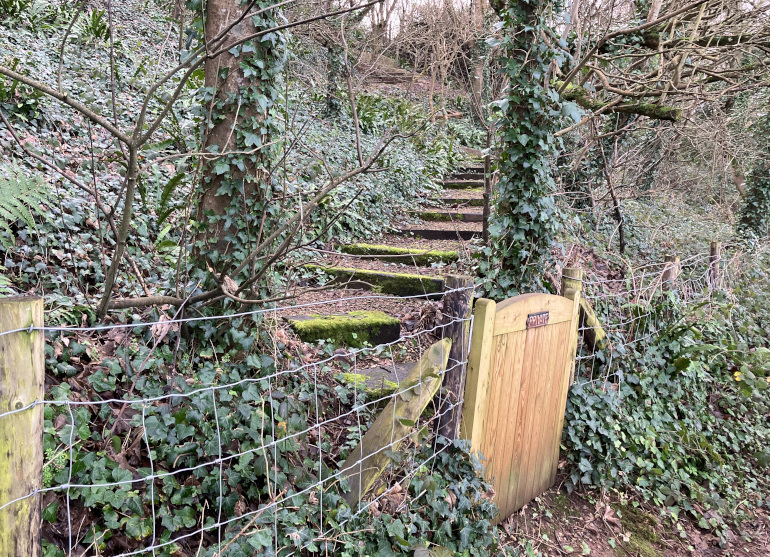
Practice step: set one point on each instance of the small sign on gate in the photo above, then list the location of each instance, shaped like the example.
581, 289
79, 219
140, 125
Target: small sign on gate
539, 319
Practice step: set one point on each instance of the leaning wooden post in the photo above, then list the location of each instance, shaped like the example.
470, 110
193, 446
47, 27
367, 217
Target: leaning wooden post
21, 432
572, 288
457, 306
714, 255
670, 272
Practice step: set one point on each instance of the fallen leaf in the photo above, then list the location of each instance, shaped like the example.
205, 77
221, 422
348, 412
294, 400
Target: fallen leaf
229, 285
161, 329
610, 517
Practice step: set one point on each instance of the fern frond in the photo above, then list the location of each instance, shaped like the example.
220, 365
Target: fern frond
20, 197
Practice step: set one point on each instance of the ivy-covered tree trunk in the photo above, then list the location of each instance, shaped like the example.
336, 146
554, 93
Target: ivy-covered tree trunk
334, 76
755, 214
526, 221
235, 207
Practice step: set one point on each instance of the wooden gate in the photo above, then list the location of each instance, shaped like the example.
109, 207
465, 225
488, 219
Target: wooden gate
521, 361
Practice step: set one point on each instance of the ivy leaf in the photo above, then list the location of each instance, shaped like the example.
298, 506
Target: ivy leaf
252, 139
523, 139
50, 512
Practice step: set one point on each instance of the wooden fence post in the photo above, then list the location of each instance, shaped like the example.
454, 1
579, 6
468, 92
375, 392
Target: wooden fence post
670, 272
458, 306
714, 256
572, 287
21, 433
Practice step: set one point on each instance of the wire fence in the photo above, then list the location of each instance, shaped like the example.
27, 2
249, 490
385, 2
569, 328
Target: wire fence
202, 463
632, 305
204, 460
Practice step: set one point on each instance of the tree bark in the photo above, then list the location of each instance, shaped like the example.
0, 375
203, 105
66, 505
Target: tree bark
232, 183
477, 79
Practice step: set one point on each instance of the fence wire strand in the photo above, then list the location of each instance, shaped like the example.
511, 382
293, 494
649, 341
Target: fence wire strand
626, 306
226, 450
624, 301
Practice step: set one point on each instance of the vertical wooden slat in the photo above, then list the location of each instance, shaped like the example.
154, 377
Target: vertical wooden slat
560, 375
509, 367
540, 441
546, 417
494, 429
526, 398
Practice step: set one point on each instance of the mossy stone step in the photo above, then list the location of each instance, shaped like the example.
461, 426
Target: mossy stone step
396, 284
450, 216
462, 184
477, 168
467, 175
439, 233
352, 329
416, 256
474, 202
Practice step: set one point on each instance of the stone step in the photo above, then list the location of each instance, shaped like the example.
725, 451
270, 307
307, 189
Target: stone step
475, 168
396, 284
461, 231
463, 201
409, 255
439, 215
352, 329
467, 176
463, 184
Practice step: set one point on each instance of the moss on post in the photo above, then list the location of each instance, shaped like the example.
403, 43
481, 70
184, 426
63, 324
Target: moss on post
361, 380
21, 433
368, 461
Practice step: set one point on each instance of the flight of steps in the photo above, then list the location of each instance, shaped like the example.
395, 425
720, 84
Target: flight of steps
457, 213
411, 262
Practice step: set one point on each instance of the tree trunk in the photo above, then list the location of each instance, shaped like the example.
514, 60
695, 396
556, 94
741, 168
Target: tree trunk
477, 79
235, 188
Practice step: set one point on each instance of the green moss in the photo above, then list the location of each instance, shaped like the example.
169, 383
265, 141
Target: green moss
436, 216
641, 526
561, 504
397, 284
463, 201
463, 184
417, 256
386, 387
582, 98
352, 329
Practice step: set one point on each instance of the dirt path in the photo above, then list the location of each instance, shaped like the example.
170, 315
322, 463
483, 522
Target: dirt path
604, 524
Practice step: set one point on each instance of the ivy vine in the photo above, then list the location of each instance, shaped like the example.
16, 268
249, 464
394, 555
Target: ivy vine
755, 213
526, 221
238, 203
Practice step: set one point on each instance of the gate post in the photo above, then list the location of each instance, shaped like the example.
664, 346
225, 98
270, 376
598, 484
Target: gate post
572, 289
476, 400
21, 432
458, 306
